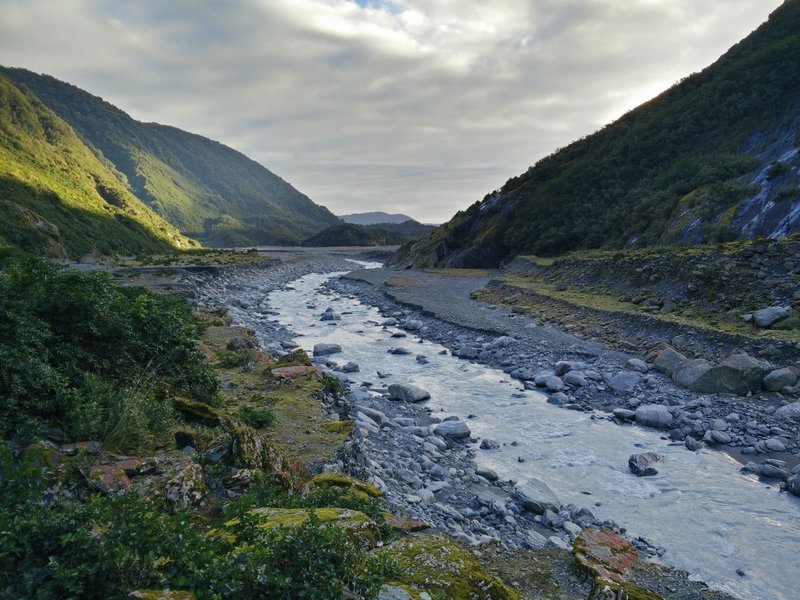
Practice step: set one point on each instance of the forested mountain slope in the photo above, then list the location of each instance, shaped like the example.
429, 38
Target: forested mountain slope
714, 158
206, 189
58, 198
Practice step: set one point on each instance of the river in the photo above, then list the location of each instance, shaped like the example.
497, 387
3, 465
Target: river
711, 519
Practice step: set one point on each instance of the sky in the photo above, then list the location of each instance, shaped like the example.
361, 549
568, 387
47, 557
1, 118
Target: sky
414, 106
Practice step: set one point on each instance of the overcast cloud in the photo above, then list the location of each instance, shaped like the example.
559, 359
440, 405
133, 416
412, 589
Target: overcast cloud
415, 106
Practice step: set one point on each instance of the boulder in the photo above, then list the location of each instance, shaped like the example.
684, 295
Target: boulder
467, 352
790, 412
575, 378
554, 383
624, 414
685, 373
738, 374
452, 429
637, 364
536, 496
405, 392
187, 487
767, 317
608, 558
326, 349
654, 415
778, 379
667, 360
793, 484
624, 381
641, 464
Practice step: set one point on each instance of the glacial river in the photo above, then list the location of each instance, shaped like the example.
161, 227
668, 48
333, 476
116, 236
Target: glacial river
711, 519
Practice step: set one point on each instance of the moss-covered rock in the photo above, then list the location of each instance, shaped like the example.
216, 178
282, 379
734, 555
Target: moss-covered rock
361, 529
187, 487
198, 411
437, 566
343, 481
294, 371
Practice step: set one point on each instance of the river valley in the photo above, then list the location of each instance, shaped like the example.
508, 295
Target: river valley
729, 529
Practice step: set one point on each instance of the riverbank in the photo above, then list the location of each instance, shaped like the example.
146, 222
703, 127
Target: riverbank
389, 438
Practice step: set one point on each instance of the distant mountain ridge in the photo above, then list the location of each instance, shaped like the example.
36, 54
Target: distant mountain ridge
58, 198
208, 190
375, 217
714, 158
378, 234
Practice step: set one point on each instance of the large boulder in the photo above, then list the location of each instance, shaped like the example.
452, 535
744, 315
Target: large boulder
624, 381
738, 374
405, 392
452, 429
654, 415
187, 487
767, 317
778, 379
793, 484
790, 412
667, 360
326, 349
442, 569
536, 496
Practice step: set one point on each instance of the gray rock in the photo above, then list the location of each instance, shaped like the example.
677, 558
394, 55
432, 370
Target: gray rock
575, 378
553, 383
775, 445
349, 367
716, 437
790, 412
326, 349
693, 444
331, 316
392, 592
399, 351
773, 472
637, 364
641, 464
453, 429
467, 352
667, 360
767, 317
487, 473
624, 381
793, 484
778, 379
536, 496
488, 444
405, 392
535, 540
737, 374
654, 415
624, 414
557, 542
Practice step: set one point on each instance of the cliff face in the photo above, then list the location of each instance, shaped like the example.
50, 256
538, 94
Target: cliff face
714, 158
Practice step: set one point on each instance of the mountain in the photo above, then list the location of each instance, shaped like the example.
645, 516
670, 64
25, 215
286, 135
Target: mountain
373, 218
208, 190
714, 158
60, 199
380, 234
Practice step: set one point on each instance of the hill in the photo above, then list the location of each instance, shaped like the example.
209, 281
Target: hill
206, 189
379, 234
58, 198
373, 218
714, 158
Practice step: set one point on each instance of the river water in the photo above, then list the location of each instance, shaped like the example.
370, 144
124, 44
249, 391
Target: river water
711, 519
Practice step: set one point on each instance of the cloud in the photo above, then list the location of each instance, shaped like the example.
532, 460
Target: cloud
419, 106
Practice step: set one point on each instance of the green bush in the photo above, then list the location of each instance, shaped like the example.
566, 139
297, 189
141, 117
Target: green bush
256, 417
83, 354
230, 360
109, 546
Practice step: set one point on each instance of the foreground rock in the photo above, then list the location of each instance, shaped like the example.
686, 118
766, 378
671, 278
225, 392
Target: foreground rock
537, 497
653, 415
457, 430
326, 349
767, 317
737, 374
609, 558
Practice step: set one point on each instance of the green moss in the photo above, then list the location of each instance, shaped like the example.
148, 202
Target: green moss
198, 411
344, 481
436, 565
359, 527
338, 426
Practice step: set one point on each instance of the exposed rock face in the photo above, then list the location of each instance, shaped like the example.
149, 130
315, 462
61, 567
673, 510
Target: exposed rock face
641, 464
767, 317
405, 392
737, 374
188, 487
654, 415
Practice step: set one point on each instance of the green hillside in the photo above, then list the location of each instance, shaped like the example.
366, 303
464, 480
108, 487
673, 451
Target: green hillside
208, 190
60, 199
378, 234
714, 158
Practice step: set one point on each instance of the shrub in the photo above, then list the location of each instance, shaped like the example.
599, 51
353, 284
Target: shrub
256, 417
